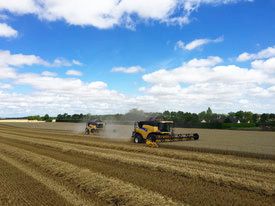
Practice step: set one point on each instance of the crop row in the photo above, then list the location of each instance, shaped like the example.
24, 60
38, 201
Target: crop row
234, 177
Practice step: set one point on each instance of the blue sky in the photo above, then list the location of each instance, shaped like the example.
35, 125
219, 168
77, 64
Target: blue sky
144, 61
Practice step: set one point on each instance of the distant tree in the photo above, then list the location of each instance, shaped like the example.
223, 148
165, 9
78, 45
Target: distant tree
202, 116
240, 116
35, 117
248, 117
208, 116
255, 118
228, 120
46, 118
271, 117
264, 118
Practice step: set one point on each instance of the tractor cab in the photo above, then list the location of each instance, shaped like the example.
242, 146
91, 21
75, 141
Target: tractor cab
166, 126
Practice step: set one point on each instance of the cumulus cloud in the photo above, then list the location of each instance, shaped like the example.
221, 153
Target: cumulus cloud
265, 65
73, 72
192, 86
109, 13
7, 31
17, 60
207, 70
48, 73
201, 82
128, 70
197, 43
24, 7
5, 86
263, 54
7, 73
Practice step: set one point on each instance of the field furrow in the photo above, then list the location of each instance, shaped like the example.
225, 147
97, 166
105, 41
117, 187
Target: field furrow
83, 170
227, 160
60, 190
109, 190
18, 187
234, 177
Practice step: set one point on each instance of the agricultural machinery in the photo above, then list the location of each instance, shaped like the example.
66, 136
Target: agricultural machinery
94, 126
156, 130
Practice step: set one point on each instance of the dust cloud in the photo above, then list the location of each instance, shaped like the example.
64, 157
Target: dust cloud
117, 132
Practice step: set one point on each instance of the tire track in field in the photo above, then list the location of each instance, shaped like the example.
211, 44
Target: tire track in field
234, 177
226, 160
111, 191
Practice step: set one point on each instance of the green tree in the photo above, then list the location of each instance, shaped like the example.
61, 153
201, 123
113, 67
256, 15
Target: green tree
208, 116
46, 118
202, 116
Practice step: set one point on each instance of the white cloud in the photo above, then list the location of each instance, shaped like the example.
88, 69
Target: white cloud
196, 70
109, 13
3, 17
5, 86
193, 86
204, 71
210, 61
128, 70
24, 7
6, 58
265, 65
17, 60
7, 73
197, 43
73, 72
263, 54
49, 74
61, 62
76, 62
199, 83
7, 31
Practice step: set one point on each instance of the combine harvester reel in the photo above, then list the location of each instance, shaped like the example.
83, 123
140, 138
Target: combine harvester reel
156, 130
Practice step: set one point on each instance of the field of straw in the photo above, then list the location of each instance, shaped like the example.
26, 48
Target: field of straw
54, 164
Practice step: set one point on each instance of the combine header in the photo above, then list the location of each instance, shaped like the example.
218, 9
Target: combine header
156, 130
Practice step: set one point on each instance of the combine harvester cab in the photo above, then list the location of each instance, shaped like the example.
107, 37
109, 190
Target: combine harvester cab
94, 126
154, 130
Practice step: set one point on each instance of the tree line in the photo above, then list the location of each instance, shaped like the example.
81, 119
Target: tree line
204, 119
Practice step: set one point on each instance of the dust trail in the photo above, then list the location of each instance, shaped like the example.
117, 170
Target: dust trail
117, 132
78, 128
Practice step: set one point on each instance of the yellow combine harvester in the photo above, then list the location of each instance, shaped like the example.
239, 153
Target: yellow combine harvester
153, 131
94, 126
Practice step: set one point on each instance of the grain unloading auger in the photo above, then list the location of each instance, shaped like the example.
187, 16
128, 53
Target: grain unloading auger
154, 131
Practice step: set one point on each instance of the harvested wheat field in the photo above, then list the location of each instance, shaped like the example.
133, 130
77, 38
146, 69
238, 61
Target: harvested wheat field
55, 166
